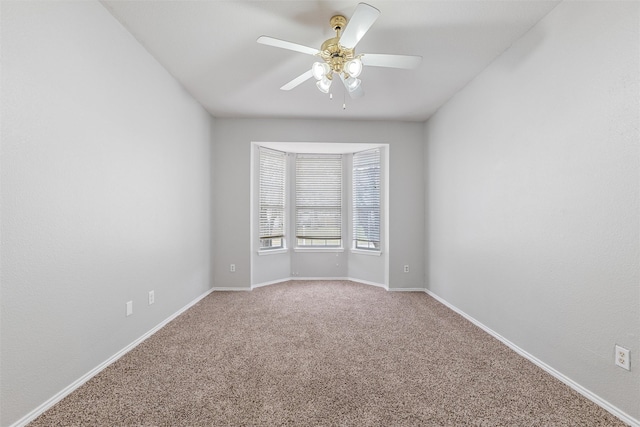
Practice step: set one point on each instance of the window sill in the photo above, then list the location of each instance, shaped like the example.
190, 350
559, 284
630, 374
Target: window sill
318, 249
366, 252
273, 251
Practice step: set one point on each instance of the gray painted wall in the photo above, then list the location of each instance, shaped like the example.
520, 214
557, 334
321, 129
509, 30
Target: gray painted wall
232, 191
105, 196
532, 192
109, 182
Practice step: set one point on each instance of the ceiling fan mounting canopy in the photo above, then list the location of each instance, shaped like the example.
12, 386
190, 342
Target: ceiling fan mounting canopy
338, 22
338, 53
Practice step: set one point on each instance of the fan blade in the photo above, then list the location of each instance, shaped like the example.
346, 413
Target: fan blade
363, 18
298, 80
270, 41
408, 62
356, 93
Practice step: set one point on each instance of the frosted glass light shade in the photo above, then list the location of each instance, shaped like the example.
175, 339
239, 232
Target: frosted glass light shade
323, 85
319, 70
352, 83
353, 67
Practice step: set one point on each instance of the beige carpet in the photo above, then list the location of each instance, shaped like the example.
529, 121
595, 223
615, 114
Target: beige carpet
323, 353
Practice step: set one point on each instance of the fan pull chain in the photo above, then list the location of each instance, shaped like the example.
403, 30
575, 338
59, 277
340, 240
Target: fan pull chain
344, 102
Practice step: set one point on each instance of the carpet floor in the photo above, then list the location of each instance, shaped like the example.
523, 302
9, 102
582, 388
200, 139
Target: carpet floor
330, 353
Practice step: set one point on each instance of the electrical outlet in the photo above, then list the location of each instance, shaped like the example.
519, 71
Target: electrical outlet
406, 268
152, 297
232, 268
129, 308
622, 357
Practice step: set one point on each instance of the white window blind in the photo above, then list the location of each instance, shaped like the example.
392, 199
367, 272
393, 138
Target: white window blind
366, 199
319, 199
272, 198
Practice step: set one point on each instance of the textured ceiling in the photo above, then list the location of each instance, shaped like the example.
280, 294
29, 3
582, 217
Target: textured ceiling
210, 47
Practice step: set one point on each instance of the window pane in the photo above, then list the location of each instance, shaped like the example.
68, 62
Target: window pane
272, 198
366, 199
319, 200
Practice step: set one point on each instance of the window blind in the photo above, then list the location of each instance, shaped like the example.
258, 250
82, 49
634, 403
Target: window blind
272, 197
319, 196
366, 199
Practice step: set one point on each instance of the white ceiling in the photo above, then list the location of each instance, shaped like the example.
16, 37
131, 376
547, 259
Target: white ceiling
210, 47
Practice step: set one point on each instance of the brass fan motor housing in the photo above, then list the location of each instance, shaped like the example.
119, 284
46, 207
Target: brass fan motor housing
331, 51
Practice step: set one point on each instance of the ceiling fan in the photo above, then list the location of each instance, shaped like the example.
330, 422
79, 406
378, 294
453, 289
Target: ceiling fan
338, 53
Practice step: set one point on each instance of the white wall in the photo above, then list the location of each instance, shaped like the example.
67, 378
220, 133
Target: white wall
232, 192
105, 196
532, 195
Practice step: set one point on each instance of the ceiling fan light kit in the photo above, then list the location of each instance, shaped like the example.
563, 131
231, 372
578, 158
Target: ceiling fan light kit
338, 53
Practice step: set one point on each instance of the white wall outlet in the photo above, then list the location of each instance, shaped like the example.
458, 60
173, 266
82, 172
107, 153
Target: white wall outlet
152, 297
406, 268
129, 308
622, 358
232, 268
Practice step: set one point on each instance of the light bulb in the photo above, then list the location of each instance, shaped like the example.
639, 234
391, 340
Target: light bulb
323, 85
353, 67
319, 70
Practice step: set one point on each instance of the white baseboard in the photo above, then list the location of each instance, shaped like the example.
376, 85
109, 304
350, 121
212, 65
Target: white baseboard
366, 282
272, 282
558, 375
92, 373
230, 288
297, 278
406, 289
318, 278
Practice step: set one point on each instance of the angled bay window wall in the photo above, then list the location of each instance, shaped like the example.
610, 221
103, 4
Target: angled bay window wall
319, 210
